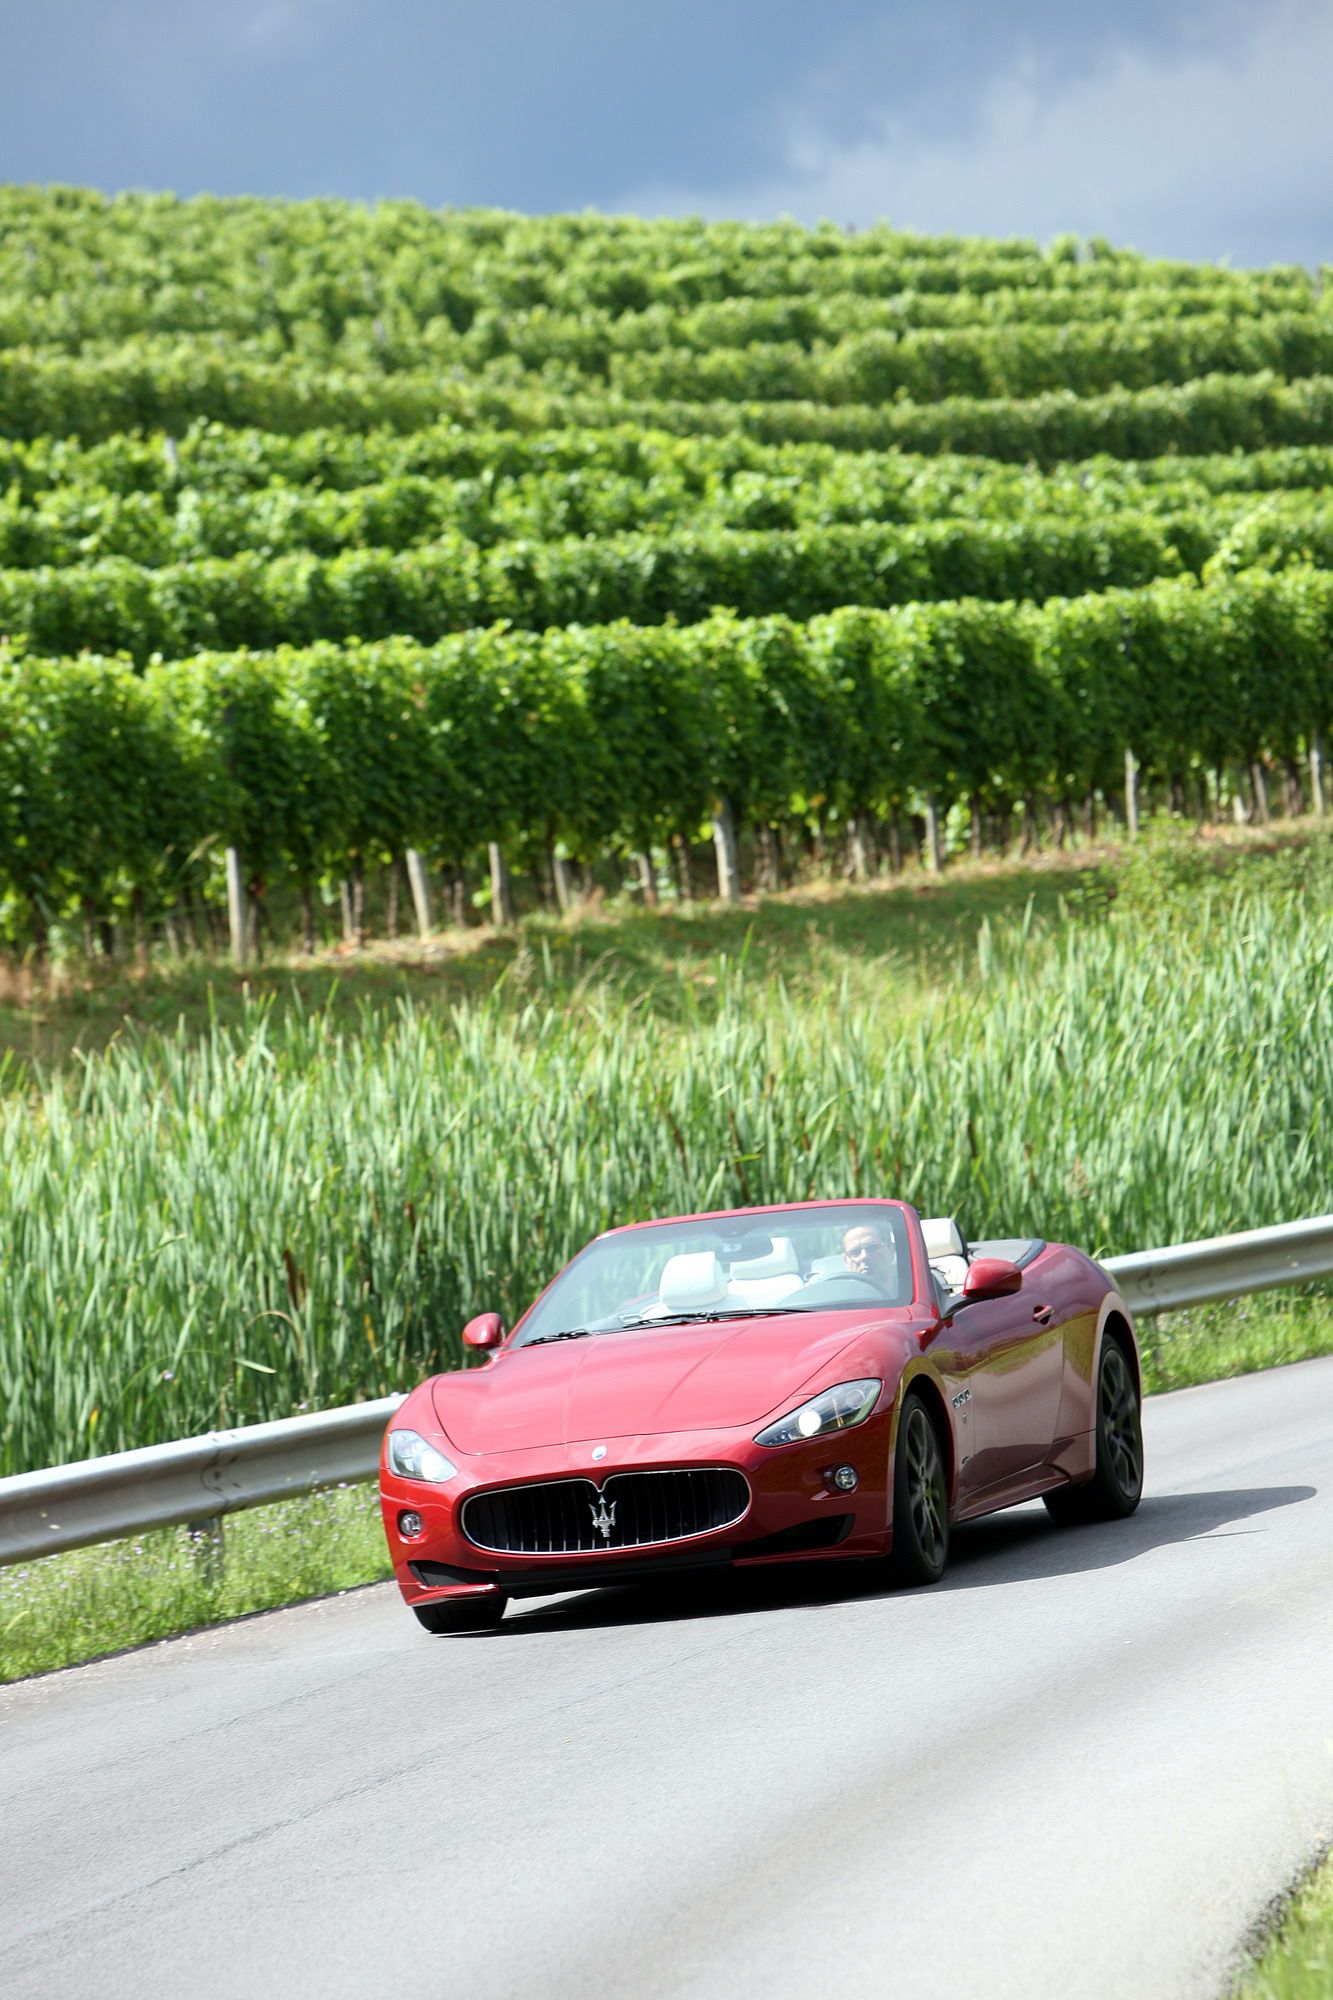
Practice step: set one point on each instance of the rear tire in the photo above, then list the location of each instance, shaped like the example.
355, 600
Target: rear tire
920, 1498
463, 1614
1116, 1487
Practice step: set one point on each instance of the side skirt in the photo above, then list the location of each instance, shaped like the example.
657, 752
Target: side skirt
1072, 1460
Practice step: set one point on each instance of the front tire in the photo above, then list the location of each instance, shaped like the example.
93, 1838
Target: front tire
462, 1614
1116, 1487
920, 1498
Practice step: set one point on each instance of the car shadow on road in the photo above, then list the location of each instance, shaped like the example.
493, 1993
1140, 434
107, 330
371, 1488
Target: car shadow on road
1018, 1546
1025, 1544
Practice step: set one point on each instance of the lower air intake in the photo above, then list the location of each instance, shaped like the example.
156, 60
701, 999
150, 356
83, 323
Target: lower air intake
631, 1510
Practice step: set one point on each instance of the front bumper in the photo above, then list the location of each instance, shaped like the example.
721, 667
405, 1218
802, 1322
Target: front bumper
794, 1514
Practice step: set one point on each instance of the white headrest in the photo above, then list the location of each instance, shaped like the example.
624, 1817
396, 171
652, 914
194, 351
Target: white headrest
694, 1278
943, 1238
779, 1261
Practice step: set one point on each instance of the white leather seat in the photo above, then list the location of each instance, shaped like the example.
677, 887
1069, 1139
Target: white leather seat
692, 1282
946, 1249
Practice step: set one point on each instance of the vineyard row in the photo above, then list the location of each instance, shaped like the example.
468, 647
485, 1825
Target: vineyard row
81, 524
907, 485
119, 787
301, 318
68, 396
865, 368
451, 583
346, 258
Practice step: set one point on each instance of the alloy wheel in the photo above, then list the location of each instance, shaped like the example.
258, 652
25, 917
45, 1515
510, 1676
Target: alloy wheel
926, 1492
1119, 1412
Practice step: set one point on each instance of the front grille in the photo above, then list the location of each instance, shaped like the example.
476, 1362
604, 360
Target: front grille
635, 1510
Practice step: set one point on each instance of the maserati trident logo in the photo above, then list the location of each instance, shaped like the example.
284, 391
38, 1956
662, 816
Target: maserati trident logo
604, 1517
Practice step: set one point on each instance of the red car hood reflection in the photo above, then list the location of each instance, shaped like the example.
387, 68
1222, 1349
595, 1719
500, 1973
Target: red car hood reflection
681, 1378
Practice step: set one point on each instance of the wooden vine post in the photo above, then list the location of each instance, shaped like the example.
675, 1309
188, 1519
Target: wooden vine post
727, 849
419, 883
934, 847
237, 916
502, 889
1317, 772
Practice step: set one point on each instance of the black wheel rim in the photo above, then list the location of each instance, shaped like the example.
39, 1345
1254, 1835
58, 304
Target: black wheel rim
926, 1497
1119, 1409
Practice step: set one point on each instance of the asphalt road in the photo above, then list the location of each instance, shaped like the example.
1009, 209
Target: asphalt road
1082, 1765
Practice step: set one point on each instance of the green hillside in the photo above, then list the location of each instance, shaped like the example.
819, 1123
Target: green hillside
330, 533
607, 554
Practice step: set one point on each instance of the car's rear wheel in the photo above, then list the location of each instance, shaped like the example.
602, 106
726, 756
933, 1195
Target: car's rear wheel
920, 1498
461, 1614
1116, 1487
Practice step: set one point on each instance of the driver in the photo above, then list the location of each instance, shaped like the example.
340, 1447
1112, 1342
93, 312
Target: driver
869, 1254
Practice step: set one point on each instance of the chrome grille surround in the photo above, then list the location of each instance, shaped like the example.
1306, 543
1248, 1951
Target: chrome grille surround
652, 1510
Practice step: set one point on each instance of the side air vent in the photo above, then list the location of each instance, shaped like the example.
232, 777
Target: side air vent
825, 1533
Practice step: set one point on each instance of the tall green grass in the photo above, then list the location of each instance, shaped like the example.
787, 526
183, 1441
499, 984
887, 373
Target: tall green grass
218, 1229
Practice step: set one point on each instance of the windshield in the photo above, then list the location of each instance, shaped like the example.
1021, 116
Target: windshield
793, 1260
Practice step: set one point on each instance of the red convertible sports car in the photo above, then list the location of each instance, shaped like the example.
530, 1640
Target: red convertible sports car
828, 1379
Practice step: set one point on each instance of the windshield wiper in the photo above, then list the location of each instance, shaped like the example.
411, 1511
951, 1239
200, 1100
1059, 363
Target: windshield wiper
761, 1312
709, 1317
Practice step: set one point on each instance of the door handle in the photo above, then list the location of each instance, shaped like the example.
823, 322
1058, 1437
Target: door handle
1042, 1313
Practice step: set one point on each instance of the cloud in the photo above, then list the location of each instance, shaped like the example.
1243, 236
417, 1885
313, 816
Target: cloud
1214, 149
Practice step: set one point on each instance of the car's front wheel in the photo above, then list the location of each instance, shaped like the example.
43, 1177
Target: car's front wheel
461, 1614
920, 1498
1116, 1487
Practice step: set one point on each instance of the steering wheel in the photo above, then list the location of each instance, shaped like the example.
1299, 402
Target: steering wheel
841, 1278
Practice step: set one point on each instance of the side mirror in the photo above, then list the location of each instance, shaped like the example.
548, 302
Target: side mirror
989, 1278
486, 1330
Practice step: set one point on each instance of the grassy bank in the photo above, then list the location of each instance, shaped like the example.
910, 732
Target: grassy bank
912, 931
899, 935
1297, 1962
95, 1601
64, 1609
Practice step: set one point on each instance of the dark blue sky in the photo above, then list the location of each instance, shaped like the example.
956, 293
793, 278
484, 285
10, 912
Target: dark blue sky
1190, 128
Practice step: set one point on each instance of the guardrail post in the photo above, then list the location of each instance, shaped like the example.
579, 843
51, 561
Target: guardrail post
206, 1542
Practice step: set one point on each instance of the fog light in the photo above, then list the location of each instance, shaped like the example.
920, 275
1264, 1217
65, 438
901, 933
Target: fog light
410, 1525
845, 1478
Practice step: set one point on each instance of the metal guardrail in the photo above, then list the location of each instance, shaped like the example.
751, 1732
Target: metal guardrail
196, 1479
1221, 1267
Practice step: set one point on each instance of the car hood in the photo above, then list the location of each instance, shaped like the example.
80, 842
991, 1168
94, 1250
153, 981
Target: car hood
681, 1378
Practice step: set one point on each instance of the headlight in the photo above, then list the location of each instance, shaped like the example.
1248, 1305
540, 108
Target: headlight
832, 1410
412, 1458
